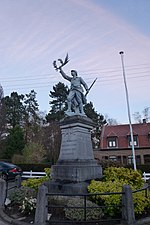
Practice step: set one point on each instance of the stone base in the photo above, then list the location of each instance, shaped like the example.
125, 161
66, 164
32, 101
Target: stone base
67, 188
76, 171
76, 165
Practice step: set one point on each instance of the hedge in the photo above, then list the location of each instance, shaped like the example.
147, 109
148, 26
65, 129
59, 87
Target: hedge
34, 167
143, 168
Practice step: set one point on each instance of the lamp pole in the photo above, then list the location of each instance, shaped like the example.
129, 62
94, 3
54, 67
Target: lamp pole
128, 107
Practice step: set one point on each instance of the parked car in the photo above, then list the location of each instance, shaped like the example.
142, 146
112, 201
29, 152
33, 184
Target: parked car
9, 171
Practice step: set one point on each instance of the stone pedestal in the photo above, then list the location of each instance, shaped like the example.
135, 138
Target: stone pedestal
76, 165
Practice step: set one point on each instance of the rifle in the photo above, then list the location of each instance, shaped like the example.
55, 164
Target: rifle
90, 87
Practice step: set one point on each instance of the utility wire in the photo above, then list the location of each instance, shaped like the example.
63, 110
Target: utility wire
101, 77
85, 72
99, 83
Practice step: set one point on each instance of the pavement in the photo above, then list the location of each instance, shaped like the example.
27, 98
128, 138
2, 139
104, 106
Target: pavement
3, 219
6, 220
3, 223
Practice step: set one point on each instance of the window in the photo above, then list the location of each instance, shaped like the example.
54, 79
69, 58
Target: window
149, 136
113, 158
138, 159
119, 159
112, 142
124, 160
135, 140
147, 159
130, 159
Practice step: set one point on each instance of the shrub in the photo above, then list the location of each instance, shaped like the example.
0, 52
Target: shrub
28, 205
108, 163
107, 200
125, 175
143, 168
78, 213
114, 179
17, 195
48, 172
34, 167
17, 159
24, 198
36, 182
141, 202
58, 200
34, 152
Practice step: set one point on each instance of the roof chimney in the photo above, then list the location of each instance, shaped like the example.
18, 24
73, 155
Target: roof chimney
144, 120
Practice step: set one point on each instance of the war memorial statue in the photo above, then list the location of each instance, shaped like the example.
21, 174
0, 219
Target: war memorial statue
76, 99
76, 165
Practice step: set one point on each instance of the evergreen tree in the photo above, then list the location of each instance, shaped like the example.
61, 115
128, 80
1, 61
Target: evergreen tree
93, 115
31, 117
3, 131
31, 107
14, 109
15, 142
59, 102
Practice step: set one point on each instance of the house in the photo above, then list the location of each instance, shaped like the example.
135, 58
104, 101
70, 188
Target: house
115, 143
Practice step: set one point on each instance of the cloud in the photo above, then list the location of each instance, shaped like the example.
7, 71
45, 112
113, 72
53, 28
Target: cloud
32, 37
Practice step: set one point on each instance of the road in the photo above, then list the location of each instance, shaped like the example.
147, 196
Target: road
3, 223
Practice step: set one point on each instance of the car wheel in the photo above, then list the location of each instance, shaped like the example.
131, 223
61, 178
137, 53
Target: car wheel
4, 176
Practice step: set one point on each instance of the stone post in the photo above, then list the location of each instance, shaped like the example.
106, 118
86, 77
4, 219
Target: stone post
41, 212
2, 192
149, 184
128, 215
18, 181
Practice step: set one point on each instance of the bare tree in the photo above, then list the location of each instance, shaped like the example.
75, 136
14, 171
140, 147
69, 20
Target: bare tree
51, 140
144, 116
137, 117
111, 121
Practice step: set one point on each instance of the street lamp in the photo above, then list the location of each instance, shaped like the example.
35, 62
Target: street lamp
129, 115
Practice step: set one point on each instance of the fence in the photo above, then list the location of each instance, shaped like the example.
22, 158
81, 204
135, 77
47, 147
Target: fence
41, 215
85, 211
126, 207
31, 174
146, 176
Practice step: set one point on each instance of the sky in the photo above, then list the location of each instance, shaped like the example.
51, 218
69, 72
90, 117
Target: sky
34, 33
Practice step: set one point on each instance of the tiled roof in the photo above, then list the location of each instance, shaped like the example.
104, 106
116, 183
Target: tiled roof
142, 131
124, 129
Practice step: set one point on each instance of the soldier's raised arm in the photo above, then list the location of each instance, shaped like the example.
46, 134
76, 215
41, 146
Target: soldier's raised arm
64, 75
